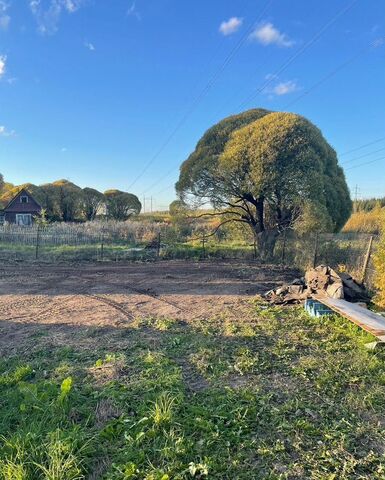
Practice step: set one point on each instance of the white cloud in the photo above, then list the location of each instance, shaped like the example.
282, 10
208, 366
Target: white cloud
283, 88
3, 60
90, 46
267, 34
4, 17
378, 42
47, 12
6, 133
232, 25
132, 11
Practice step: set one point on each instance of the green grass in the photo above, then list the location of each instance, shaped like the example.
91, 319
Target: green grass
116, 252
213, 250
73, 253
272, 395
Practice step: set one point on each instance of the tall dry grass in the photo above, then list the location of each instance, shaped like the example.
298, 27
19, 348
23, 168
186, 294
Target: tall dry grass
366, 222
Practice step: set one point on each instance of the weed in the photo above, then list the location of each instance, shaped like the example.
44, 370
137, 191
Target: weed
162, 410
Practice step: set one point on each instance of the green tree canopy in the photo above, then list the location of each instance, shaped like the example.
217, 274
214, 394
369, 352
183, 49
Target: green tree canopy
197, 171
178, 207
275, 173
9, 191
121, 205
62, 200
91, 202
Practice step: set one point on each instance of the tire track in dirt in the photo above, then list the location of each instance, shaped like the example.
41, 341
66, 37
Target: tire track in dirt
91, 282
198, 313
153, 295
65, 300
110, 303
34, 298
54, 308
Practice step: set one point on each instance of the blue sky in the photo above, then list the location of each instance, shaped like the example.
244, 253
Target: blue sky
115, 93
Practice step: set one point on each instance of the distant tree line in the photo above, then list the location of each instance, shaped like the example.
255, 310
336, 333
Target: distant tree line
64, 201
369, 204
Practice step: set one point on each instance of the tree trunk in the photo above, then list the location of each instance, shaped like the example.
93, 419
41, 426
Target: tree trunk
266, 241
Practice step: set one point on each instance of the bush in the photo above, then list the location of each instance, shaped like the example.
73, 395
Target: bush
379, 262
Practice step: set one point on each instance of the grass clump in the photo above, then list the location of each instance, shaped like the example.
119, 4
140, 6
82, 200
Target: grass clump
162, 410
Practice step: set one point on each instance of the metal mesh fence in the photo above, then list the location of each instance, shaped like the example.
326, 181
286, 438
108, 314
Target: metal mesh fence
133, 241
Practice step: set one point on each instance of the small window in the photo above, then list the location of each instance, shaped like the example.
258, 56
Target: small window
24, 199
23, 219
2, 219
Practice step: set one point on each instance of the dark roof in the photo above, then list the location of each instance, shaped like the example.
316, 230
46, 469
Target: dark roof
22, 190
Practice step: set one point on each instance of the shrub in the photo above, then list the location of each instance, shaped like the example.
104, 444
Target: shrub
379, 262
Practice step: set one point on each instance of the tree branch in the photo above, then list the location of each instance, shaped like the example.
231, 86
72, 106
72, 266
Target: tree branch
217, 228
213, 214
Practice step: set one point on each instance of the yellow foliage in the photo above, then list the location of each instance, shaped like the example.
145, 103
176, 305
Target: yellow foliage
379, 262
366, 222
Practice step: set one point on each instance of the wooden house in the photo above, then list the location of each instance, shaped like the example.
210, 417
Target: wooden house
21, 210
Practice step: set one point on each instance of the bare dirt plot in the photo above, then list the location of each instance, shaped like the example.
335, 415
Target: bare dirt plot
110, 296
158, 367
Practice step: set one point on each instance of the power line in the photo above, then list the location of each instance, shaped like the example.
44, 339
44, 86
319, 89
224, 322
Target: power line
365, 163
161, 178
362, 146
287, 63
164, 189
299, 52
362, 156
203, 93
331, 74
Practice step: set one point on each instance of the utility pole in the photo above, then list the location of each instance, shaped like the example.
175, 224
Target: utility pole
356, 191
149, 199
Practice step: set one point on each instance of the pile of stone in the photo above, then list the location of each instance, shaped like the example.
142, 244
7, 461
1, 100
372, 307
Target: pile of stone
321, 280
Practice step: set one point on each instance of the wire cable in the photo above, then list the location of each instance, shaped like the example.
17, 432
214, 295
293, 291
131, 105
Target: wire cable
363, 156
366, 163
299, 52
362, 146
290, 61
203, 93
331, 74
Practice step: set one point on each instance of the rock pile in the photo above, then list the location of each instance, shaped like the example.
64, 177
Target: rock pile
321, 280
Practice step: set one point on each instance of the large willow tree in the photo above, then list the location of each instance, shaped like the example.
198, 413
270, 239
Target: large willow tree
271, 171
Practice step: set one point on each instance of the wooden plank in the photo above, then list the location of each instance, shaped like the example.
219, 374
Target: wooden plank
367, 320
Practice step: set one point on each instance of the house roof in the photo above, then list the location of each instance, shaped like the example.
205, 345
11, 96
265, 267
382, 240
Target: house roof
22, 190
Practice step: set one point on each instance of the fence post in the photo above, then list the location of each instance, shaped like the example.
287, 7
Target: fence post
366, 260
203, 246
37, 242
315, 251
158, 246
284, 247
102, 246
